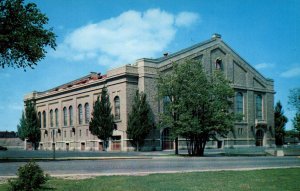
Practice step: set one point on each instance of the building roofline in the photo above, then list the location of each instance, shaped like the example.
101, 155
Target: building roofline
163, 58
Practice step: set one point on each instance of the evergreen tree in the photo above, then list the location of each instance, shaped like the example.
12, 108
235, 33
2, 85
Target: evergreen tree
280, 121
102, 122
200, 104
21, 127
29, 125
140, 120
23, 36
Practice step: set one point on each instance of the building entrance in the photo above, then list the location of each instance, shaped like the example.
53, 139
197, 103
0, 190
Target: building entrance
116, 143
167, 141
259, 138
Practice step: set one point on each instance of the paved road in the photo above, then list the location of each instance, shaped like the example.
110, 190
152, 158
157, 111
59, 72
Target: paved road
153, 165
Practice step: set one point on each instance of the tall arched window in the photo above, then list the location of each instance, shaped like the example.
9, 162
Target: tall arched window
258, 107
117, 107
40, 119
65, 116
239, 103
56, 117
80, 114
51, 118
71, 115
44, 119
87, 113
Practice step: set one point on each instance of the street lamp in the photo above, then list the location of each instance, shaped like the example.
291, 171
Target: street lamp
53, 143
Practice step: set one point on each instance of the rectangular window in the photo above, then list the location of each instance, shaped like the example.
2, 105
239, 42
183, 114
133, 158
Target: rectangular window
87, 132
258, 107
80, 133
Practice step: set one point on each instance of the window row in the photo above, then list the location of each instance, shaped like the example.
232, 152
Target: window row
239, 105
68, 115
58, 133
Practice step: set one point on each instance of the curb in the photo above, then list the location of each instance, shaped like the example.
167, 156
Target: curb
70, 158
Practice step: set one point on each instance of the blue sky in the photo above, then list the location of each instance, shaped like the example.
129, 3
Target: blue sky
95, 35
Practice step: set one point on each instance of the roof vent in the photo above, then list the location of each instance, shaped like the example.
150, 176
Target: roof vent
216, 35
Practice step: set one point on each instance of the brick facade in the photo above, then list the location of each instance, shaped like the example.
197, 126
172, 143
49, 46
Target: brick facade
256, 128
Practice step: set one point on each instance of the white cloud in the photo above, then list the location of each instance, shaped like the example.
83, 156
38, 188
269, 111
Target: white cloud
186, 19
264, 65
293, 72
125, 38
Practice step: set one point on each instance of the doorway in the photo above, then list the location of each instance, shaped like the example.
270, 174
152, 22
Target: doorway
167, 141
259, 138
116, 143
82, 146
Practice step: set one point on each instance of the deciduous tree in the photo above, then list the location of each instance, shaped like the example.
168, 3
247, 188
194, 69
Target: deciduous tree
102, 122
140, 120
23, 36
294, 99
200, 104
296, 123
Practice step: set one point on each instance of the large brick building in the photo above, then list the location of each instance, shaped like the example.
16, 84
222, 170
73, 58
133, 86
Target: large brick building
65, 110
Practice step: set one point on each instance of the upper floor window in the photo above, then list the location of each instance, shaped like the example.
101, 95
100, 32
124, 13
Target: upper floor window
71, 115
87, 113
239, 103
56, 117
117, 107
40, 119
80, 114
51, 118
65, 116
219, 64
258, 107
44, 119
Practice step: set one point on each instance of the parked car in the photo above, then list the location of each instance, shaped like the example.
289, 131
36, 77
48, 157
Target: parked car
3, 148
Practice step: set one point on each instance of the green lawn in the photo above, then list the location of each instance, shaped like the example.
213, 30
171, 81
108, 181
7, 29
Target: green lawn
275, 179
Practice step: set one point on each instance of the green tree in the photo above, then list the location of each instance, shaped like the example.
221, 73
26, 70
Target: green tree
23, 37
29, 127
102, 122
296, 123
294, 99
200, 104
140, 120
280, 121
30, 177
21, 126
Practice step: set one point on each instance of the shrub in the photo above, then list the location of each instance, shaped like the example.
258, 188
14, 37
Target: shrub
30, 177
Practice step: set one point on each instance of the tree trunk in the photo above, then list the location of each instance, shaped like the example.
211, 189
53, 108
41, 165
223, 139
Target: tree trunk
137, 147
176, 146
104, 145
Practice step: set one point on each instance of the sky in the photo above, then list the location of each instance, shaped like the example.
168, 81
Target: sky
97, 35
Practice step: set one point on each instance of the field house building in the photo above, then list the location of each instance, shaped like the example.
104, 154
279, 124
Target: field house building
65, 111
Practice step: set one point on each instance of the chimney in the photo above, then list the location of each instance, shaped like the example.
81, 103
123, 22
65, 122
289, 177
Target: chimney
216, 36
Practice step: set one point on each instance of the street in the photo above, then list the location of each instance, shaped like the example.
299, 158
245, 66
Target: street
153, 165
